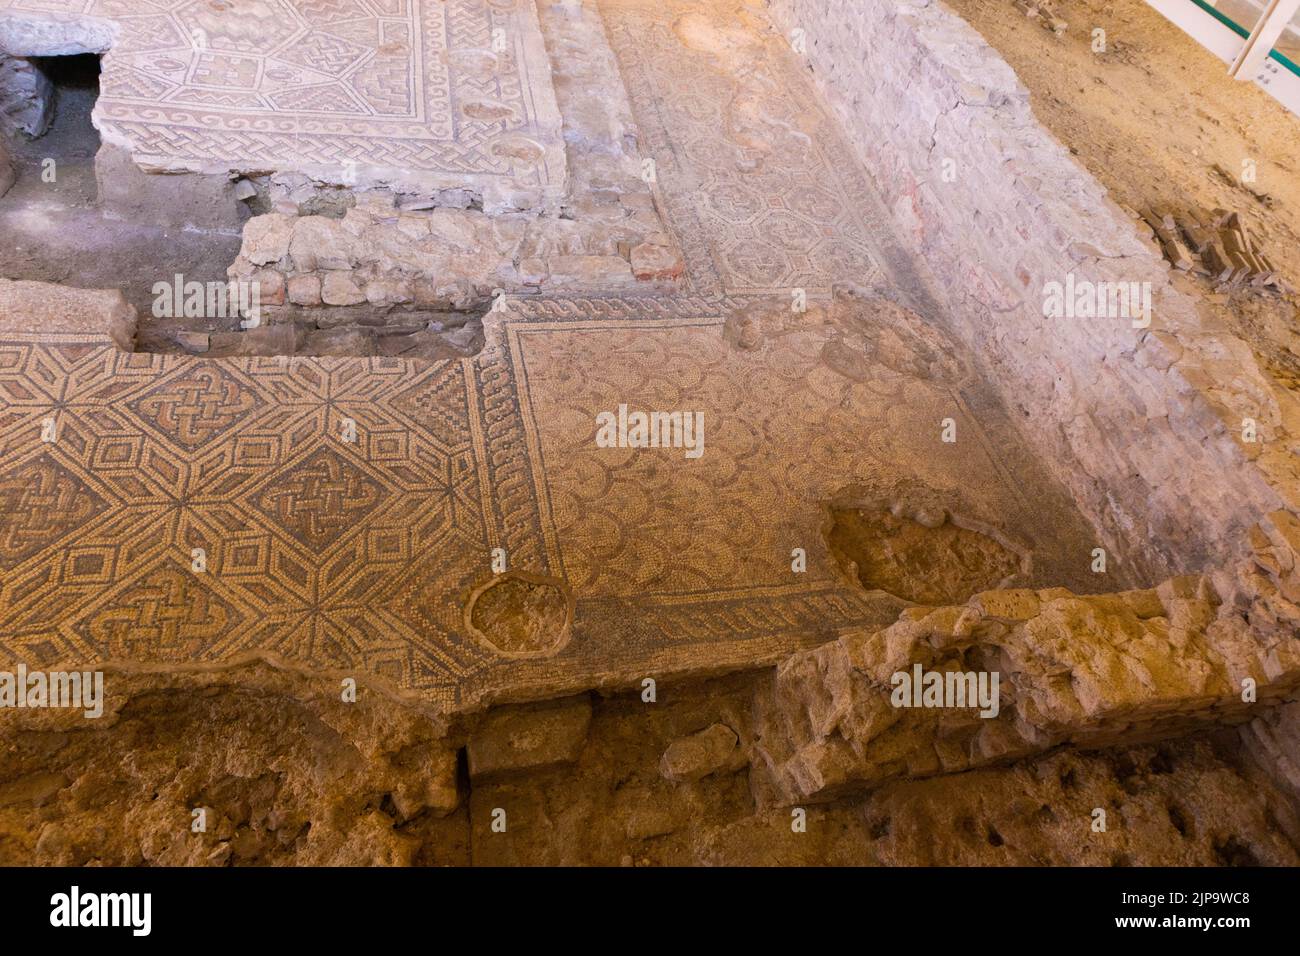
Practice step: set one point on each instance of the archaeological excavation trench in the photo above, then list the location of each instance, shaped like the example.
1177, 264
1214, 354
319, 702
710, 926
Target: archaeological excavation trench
587, 411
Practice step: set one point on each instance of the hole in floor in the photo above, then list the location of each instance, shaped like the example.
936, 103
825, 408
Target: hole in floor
53, 140
522, 615
51, 218
927, 564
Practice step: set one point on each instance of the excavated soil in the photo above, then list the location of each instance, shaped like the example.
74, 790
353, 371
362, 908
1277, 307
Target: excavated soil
288, 774
1158, 121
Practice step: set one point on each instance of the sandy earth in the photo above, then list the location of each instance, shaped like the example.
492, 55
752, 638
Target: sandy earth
1157, 120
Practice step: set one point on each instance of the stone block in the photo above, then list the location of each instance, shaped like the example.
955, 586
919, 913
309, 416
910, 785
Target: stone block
711, 750
512, 739
305, 290
339, 288
42, 307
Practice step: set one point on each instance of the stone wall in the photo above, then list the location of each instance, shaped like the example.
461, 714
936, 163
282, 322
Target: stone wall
380, 254
1143, 425
1080, 671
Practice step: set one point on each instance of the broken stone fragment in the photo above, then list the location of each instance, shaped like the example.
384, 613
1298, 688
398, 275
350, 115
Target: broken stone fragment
713, 749
1216, 262
427, 780
1093, 670
270, 286
529, 737
26, 97
41, 307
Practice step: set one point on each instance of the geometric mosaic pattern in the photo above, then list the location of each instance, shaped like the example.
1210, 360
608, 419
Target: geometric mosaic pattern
359, 556
756, 175
443, 92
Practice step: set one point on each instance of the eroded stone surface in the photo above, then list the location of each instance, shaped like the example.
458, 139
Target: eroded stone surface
712, 749
1274, 740
1085, 671
1183, 803
287, 772
311, 780
26, 97
522, 615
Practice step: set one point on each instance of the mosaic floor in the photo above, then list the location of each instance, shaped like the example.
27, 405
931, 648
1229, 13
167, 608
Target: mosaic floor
763, 191
442, 93
367, 555
360, 555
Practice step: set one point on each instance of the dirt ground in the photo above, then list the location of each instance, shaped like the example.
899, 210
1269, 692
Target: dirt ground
1158, 121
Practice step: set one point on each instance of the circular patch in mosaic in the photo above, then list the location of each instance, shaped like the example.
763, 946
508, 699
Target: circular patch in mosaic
521, 615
